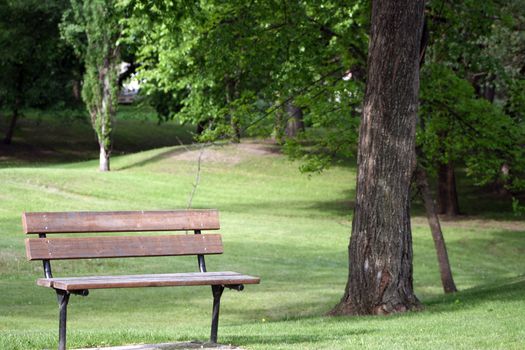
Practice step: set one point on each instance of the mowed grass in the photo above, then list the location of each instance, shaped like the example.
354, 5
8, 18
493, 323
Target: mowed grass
288, 228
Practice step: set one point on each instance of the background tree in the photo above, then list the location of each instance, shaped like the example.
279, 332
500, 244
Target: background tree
380, 251
202, 63
92, 28
208, 57
37, 69
467, 81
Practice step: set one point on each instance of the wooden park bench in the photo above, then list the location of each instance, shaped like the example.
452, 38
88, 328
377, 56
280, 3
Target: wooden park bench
120, 246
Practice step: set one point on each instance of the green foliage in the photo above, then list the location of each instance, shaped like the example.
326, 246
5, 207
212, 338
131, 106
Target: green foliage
455, 125
515, 106
236, 62
333, 116
517, 208
37, 69
471, 96
92, 28
458, 34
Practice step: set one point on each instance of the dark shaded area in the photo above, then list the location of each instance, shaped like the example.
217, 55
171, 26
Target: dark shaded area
339, 208
65, 137
153, 159
512, 289
474, 201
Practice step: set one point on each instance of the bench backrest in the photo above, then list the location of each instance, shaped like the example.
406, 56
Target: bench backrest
44, 248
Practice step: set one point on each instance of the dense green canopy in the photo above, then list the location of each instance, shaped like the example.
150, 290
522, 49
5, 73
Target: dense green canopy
235, 68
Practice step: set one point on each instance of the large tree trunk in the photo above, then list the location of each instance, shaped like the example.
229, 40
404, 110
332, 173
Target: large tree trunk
380, 251
437, 235
447, 195
295, 123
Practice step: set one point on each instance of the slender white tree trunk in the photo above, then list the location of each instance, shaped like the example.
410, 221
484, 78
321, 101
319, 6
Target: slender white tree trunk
104, 159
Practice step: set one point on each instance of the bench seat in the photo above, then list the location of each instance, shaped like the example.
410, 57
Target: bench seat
88, 236
153, 280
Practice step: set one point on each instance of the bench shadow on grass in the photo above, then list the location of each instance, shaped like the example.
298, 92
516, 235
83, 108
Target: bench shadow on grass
287, 338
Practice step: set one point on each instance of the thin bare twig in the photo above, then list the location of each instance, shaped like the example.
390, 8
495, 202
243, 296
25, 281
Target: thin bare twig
197, 176
198, 173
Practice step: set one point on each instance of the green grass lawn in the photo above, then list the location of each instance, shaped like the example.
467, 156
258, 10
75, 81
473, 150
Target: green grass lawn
288, 228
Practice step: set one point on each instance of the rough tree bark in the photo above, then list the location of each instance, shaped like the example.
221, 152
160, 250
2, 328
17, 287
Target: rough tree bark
380, 251
295, 123
437, 235
447, 195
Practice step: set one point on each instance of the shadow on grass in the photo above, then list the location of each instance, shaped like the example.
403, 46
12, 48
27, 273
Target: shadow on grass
342, 207
172, 152
156, 158
339, 207
288, 338
507, 290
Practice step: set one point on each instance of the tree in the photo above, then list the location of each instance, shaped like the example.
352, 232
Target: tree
456, 125
37, 70
207, 57
380, 251
447, 281
421, 181
200, 59
92, 28
473, 63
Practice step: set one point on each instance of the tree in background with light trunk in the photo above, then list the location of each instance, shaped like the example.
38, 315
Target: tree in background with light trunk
92, 28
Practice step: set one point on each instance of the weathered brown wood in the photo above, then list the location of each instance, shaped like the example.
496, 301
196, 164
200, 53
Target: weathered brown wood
120, 221
156, 280
122, 246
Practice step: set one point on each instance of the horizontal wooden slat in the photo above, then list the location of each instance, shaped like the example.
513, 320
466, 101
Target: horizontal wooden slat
120, 221
157, 280
122, 246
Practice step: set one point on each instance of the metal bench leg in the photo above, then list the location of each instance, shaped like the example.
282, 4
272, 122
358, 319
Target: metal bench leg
217, 293
63, 299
